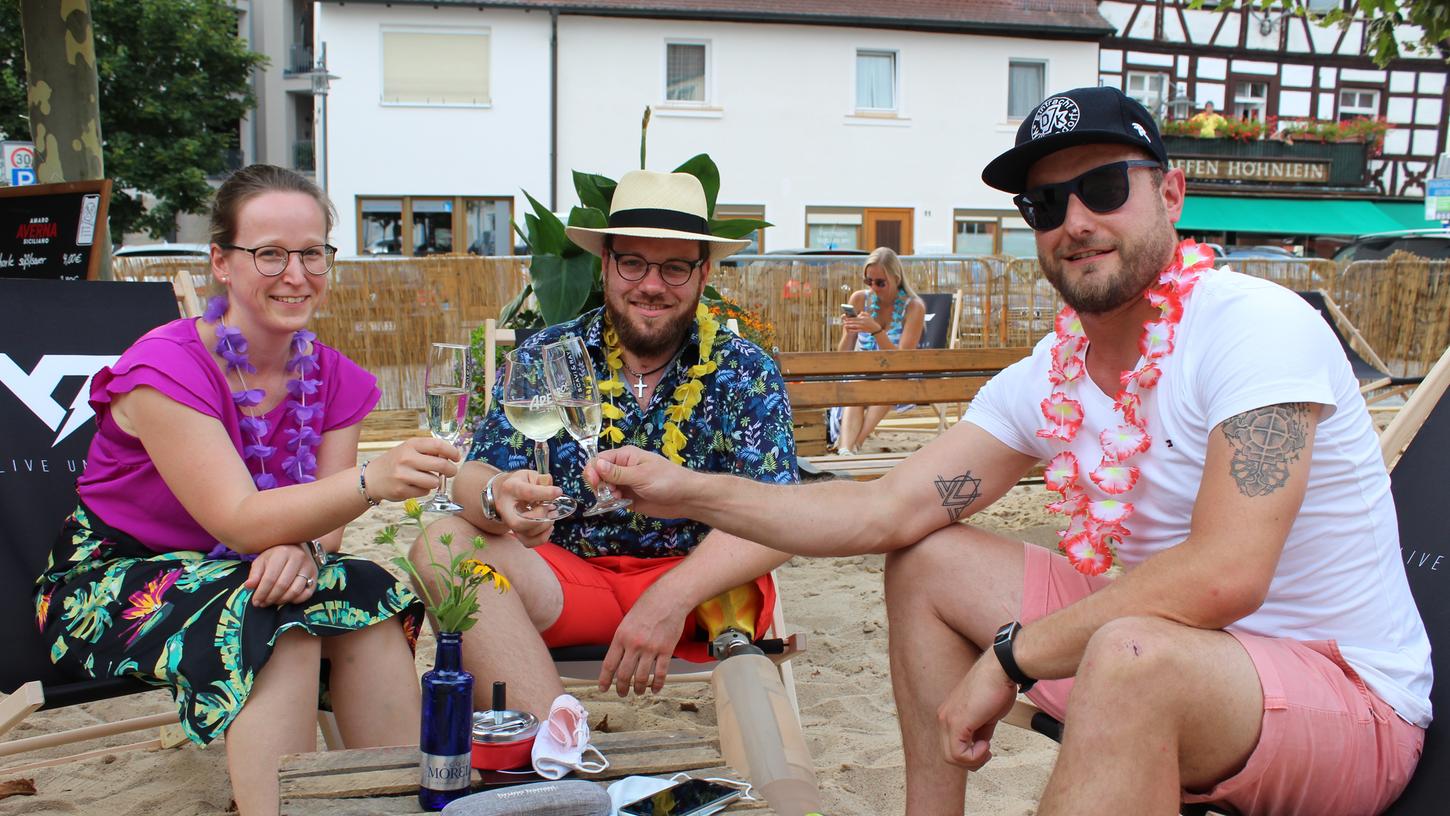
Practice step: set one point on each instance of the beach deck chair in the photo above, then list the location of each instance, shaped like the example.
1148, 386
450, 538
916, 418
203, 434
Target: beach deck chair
54, 335
1414, 447
1376, 383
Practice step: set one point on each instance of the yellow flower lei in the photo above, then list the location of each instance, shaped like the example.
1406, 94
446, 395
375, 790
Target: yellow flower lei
687, 395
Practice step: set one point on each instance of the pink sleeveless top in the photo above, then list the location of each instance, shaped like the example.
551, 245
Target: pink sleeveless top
121, 485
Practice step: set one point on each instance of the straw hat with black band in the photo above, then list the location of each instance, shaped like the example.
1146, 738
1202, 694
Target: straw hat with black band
647, 204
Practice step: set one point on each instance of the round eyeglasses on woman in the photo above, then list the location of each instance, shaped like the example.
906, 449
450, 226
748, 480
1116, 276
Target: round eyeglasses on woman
272, 261
675, 272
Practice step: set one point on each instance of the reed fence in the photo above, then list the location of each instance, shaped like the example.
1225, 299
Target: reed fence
384, 313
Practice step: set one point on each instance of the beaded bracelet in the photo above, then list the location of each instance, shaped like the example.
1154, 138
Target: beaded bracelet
362, 485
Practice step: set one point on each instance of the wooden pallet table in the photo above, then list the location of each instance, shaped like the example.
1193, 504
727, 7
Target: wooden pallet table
385, 780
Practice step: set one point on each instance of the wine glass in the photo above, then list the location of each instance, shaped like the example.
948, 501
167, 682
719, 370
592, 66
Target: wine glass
528, 403
576, 392
448, 382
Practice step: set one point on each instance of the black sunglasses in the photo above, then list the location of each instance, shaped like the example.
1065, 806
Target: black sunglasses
1101, 189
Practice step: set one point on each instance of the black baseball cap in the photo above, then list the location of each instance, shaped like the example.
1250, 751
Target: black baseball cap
1076, 117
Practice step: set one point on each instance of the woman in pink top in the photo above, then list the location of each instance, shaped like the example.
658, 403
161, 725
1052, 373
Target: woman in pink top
222, 442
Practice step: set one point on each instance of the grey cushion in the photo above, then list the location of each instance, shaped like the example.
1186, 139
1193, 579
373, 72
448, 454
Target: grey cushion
570, 797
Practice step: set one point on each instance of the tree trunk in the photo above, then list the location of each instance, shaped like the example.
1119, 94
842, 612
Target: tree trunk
64, 94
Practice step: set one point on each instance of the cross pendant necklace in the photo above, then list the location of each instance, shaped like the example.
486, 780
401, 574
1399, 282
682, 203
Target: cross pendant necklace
639, 386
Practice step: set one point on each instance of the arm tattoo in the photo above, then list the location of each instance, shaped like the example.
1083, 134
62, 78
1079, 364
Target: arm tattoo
1265, 442
958, 493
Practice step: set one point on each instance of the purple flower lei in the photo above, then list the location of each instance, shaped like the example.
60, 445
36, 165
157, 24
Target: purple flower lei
302, 441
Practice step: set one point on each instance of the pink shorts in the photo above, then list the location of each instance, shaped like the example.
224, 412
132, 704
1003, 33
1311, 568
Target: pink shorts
599, 591
1327, 745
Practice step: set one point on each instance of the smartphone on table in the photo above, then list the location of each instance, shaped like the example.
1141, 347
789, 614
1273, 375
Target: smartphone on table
848, 310
692, 797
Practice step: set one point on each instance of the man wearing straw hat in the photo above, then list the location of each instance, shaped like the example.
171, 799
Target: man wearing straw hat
673, 381
1260, 649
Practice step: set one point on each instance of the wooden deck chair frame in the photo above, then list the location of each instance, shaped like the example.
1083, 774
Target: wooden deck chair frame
33, 695
1376, 383
579, 666
1394, 440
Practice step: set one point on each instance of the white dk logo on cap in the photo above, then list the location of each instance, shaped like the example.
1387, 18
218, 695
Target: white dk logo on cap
1057, 115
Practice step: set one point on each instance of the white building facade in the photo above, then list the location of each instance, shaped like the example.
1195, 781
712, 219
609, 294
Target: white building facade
843, 130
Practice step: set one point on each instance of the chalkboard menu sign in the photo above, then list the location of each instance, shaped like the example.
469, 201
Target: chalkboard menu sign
49, 230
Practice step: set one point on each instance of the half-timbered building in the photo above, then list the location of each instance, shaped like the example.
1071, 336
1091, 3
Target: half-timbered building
1281, 69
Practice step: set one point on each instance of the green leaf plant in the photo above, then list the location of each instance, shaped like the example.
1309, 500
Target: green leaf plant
458, 580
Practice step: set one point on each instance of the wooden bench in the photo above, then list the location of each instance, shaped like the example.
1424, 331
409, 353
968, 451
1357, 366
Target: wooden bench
816, 381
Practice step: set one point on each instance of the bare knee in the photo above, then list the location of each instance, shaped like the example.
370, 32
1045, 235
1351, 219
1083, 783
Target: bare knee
1132, 656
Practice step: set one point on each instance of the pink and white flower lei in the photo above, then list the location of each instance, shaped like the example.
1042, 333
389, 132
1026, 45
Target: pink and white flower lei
1096, 526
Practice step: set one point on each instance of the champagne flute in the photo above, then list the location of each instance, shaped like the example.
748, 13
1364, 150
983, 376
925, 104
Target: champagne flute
448, 382
576, 392
528, 404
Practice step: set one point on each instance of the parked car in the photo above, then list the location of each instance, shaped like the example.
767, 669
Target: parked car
1427, 243
164, 251
1272, 253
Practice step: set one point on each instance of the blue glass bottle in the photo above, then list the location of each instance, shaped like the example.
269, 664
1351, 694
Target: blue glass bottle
446, 742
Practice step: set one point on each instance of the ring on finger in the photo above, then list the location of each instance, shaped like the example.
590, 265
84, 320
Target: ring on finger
306, 579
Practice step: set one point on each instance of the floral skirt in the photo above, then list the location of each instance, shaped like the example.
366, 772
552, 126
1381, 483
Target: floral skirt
179, 620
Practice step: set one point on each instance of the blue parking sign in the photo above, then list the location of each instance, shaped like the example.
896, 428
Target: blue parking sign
21, 176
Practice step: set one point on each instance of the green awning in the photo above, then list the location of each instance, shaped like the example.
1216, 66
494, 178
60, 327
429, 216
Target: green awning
1409, 214
1293, 216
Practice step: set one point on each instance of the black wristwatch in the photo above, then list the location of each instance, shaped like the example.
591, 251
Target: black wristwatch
1002, 647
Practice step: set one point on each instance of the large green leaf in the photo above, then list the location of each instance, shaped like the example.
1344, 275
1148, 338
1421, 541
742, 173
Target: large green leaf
588, 217
594, 190
562, 284
524, 236
736, 227
547, 230
703, 168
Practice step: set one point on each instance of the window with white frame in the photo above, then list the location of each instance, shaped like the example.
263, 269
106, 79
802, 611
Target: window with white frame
1026, 86
875, 80
1251, 99
1358, 102
975, 236
833, 229
685, 72
422, 67
1150, 89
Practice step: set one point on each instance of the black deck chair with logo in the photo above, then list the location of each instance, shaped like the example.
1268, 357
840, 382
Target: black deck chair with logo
1414, 445
54, 335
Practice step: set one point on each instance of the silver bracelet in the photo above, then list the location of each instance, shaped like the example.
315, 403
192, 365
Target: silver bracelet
362, 485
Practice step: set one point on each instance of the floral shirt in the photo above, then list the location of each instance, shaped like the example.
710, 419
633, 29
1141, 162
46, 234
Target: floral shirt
742, 426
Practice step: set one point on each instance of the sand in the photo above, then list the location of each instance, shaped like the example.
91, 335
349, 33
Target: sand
842, 682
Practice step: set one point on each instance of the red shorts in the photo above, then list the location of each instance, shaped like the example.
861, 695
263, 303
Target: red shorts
1327, 744
599, 591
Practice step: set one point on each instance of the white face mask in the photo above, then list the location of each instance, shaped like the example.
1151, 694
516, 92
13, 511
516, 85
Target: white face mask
563, 740
633, 788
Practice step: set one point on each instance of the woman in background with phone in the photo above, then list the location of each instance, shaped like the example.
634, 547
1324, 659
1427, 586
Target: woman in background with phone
885, 316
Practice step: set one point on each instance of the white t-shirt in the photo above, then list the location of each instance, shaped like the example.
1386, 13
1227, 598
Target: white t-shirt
1246, 343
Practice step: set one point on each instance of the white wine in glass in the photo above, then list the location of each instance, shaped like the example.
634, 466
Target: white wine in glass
528, 404
576, 392
447, 385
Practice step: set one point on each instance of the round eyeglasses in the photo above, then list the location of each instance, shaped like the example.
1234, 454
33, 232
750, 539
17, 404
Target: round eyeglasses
272, 261
675, 272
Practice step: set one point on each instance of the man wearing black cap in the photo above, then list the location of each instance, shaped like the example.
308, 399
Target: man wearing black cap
1260, 647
